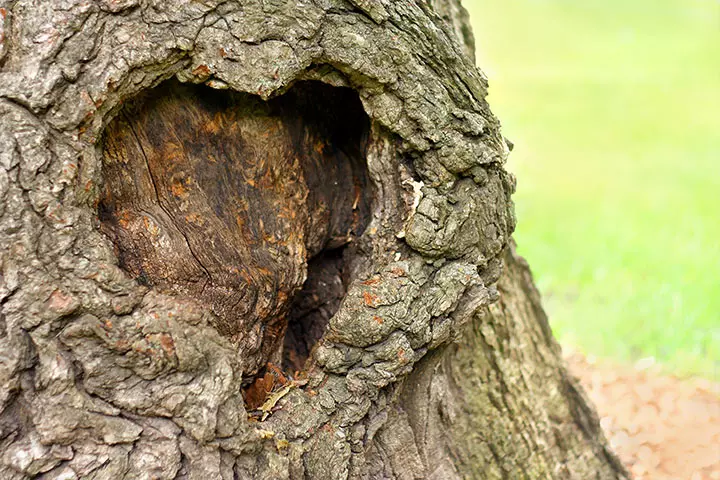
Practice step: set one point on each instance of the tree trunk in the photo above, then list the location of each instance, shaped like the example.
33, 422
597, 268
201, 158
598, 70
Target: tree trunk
265, 239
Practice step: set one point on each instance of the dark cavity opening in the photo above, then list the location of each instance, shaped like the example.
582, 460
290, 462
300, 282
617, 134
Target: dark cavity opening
233, 201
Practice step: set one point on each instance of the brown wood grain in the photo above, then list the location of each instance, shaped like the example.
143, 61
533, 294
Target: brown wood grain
224, 197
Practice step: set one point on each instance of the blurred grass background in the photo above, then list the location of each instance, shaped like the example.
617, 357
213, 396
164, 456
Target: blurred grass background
614, 109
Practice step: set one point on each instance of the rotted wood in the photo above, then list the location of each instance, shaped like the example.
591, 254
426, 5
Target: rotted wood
224, 197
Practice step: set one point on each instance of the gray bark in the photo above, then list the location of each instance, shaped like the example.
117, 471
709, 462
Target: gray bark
431, 364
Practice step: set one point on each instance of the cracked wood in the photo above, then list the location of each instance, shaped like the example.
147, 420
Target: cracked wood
224, 197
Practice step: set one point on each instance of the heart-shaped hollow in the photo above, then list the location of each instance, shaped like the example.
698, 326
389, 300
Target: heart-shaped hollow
225, 198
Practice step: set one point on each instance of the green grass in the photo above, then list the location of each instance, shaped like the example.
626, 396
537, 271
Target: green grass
614, 108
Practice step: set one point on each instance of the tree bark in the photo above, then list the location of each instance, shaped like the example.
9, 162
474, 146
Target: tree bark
265, 239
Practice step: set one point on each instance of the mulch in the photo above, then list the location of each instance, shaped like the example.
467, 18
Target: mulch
662, 427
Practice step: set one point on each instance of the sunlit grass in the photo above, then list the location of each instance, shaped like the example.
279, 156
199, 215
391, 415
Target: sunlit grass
614, 108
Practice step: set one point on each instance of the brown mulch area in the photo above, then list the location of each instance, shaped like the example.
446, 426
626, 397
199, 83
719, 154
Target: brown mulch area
660, 426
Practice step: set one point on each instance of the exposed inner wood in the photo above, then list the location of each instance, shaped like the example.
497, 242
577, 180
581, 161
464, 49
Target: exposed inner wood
225, 198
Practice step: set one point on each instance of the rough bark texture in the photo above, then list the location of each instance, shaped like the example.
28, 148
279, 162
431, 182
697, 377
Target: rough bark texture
126, 337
